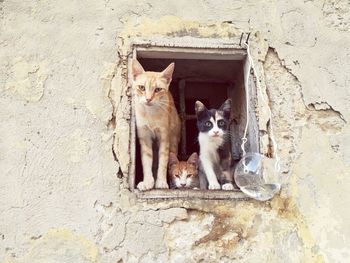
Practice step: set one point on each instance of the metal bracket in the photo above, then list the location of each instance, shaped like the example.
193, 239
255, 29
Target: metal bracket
246, 40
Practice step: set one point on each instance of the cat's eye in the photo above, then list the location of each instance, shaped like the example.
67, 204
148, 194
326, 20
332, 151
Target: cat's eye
221, 123
142, 88
189, 175
208, 124
157, 90
176, 175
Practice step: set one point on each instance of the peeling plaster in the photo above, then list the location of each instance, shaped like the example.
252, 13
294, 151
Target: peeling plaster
336, 14
27, 80
173, 26
66, 178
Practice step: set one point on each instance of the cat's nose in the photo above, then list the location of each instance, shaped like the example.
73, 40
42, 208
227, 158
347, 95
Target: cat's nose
216, 132
183, 185
148, 101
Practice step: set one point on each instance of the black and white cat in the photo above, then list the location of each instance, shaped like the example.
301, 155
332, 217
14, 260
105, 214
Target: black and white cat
214, 142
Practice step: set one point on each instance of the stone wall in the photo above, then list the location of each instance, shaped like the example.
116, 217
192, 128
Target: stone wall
65, 126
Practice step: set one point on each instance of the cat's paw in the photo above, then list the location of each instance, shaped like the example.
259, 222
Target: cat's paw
145, 185
161, 184
214, 186
227, 187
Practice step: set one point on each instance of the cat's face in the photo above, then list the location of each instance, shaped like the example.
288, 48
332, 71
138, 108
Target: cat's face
150, 87
213, 123
183, 173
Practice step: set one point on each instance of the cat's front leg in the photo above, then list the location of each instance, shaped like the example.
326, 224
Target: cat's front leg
226, 177
161, 181
147, 158
227, 186
227, 181
209, 172
203, 182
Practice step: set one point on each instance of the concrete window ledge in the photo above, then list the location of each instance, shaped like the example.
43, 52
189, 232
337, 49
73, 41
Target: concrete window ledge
191, 194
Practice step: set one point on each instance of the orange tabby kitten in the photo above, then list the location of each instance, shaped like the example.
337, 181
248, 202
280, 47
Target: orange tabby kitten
156, 121
183, 174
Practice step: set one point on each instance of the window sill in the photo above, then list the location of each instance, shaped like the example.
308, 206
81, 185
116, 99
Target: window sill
192, 194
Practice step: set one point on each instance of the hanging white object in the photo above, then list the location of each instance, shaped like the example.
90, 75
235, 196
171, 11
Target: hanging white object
257, 175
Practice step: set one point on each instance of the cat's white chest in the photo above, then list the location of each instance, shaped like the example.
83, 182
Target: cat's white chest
149, 119
209, 147
142, 120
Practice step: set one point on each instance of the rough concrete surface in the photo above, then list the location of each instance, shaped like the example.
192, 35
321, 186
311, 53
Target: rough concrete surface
65, 125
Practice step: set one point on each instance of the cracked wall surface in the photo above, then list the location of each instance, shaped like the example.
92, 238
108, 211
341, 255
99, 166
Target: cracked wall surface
65, 131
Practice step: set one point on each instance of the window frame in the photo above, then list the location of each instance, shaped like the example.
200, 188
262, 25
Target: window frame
210, 50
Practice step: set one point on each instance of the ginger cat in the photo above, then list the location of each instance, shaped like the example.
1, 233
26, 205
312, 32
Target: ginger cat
157, 121
183, 174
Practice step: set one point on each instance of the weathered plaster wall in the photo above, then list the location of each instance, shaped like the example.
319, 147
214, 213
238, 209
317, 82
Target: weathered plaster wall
64, 107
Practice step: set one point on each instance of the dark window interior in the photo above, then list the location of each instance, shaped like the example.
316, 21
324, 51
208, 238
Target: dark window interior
210, 81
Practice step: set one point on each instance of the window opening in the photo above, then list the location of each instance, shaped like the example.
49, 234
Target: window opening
211, 76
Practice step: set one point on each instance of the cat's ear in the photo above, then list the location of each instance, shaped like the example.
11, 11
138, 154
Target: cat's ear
168, 72
199, 107
226, 107
173, 159
137, 69
193, 159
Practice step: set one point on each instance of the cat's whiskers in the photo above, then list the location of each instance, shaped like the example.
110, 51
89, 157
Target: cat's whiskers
165, 106
167, 103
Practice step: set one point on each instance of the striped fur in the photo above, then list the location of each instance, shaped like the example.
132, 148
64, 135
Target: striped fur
157, 121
